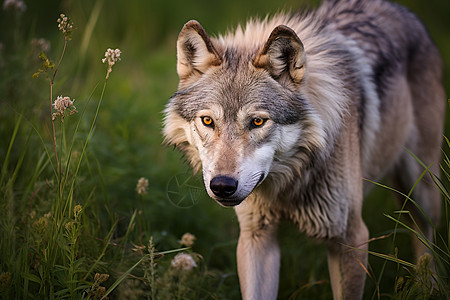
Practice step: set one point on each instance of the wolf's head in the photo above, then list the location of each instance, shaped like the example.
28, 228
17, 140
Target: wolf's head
239, 109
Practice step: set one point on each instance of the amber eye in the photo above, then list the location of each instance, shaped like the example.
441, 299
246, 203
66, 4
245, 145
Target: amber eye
207, 121
257, 122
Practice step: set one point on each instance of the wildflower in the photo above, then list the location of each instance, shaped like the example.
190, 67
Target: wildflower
40, 225
423, 266
142, 186
187, 239
100, 292
65, 25
424, 274
17, 5
77, 210
39, 45
100, 278
183, 262
69, 226
96, 290
61, 104
111, 56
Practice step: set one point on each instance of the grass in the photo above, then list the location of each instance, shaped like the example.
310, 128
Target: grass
72, 222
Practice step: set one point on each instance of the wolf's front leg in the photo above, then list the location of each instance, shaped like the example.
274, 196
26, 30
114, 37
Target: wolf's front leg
347, 260
258, 257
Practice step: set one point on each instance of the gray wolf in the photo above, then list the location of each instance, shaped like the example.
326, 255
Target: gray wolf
287, 115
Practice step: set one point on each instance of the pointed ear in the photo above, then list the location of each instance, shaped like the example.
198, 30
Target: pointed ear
195, 52
283, 55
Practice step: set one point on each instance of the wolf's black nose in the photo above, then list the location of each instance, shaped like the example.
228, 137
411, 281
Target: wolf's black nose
223, 186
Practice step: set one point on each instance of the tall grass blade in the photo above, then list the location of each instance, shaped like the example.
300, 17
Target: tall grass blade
85, 146
8, 152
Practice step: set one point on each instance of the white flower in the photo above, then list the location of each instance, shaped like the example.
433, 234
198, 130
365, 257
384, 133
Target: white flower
187, 239
17, 5
142, 186
61, 104
65, 24
183, 262
38, 46
111, 56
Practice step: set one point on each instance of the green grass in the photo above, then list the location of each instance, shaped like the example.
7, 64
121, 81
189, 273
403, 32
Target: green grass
49, 248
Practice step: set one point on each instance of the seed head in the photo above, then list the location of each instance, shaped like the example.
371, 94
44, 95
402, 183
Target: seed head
100, 278
187, 239
183, 262
65, 24
62, 104
40, 45
40, 225
69, 225
77, 210
16, 5
111, 57
100, 292
142, 186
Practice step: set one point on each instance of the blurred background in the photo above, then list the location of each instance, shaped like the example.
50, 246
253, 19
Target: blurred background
127, 140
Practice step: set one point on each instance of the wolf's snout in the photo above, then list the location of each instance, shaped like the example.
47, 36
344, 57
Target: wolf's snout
223, 186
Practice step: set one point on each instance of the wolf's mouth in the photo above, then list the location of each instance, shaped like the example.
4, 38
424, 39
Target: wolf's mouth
229, 202
261, 178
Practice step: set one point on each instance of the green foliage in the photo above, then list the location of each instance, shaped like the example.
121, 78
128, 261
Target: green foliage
72, 224
47, 65
418, 285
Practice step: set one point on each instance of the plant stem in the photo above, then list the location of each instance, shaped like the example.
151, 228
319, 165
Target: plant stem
60, 59
50, 256
51, 104
60, 175
53, 126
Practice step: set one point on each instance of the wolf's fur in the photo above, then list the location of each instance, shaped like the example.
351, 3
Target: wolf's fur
340, 92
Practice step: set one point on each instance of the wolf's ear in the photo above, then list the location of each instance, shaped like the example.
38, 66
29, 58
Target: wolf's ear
283, 54
195, 52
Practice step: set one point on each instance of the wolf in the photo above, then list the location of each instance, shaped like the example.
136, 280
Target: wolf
287, 115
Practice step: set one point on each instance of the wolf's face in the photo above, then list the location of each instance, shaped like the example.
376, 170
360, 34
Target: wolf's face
233, 114
237, 132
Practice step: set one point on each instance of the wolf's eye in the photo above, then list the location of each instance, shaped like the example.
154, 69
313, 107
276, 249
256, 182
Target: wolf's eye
257, 122
207, 121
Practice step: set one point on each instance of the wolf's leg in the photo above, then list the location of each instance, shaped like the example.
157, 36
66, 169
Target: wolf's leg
346, 265
425, 194
258, 256
429, 101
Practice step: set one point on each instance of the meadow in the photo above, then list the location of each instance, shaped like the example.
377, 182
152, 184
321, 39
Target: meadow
93, 205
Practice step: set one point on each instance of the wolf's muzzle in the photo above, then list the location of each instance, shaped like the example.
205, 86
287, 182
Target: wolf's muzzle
223, 186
